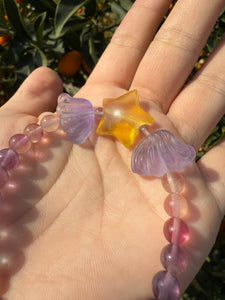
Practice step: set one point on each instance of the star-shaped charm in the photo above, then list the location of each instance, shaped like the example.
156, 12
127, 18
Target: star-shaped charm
122, 118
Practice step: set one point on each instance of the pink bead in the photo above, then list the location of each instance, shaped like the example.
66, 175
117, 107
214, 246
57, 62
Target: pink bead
176, 205
34, 132
165, 286
8, 158
20, 143
174, 259
4, 177
173, 182
176, 231
50, 123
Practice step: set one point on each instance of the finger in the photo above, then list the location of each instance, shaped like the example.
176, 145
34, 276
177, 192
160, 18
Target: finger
201, 104
175, 49
212, 166
118, 64
38, 93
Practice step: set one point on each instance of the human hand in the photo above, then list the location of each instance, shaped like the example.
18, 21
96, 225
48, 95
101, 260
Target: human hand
76, 223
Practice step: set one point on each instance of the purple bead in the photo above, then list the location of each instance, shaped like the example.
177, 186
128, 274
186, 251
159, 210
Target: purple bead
174, 259
4, 177
8, 158
76, 117
20, 143
159, 153
165, 286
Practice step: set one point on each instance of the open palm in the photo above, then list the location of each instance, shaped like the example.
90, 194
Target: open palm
76, 223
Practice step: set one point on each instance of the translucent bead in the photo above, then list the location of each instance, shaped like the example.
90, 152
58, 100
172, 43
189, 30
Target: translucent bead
4, 177
173, 182
161, 152
8, 158
76, 117
34, 132
174, 259
122, 118
165, 286
176, 205
50, 123
20, 143
176, 231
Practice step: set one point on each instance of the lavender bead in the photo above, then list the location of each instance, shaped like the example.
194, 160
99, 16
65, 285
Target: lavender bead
76, 117
174, 259
4, 177
8, 158
165, 286
159, 153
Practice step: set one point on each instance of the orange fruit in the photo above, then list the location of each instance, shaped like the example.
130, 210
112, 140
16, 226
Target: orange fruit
70, 63
4, 39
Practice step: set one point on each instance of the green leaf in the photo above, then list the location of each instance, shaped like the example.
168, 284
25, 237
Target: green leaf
118, 10
126, 4
39, 27
39, 57
64, 10
88, 49
48, 6
16, 19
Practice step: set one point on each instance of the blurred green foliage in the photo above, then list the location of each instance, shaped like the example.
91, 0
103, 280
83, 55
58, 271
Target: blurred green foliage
38, 33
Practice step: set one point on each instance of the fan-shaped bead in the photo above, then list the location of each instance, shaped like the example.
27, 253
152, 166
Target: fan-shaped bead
76, 117
159, 153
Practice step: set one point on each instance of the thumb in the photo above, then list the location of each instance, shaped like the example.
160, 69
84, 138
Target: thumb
38, 93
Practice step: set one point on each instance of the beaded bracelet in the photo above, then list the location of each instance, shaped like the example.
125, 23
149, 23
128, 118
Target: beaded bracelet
159, 154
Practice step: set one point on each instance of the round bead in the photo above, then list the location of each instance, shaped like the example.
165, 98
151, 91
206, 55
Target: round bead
34, 132
4, 177
173, 182
174, 259
176, 205
20, 143
176, 231
50, 123
165, 286
8, 158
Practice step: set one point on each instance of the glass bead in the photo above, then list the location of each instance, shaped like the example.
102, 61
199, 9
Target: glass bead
173, 182
20, 143
165, 286
174, 259
176, 231
4, 177
50, 123
161, 152
34, 132
122, 118
76, 117
8, 158
176, 205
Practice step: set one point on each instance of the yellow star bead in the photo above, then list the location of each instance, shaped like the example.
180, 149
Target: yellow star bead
122, 118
